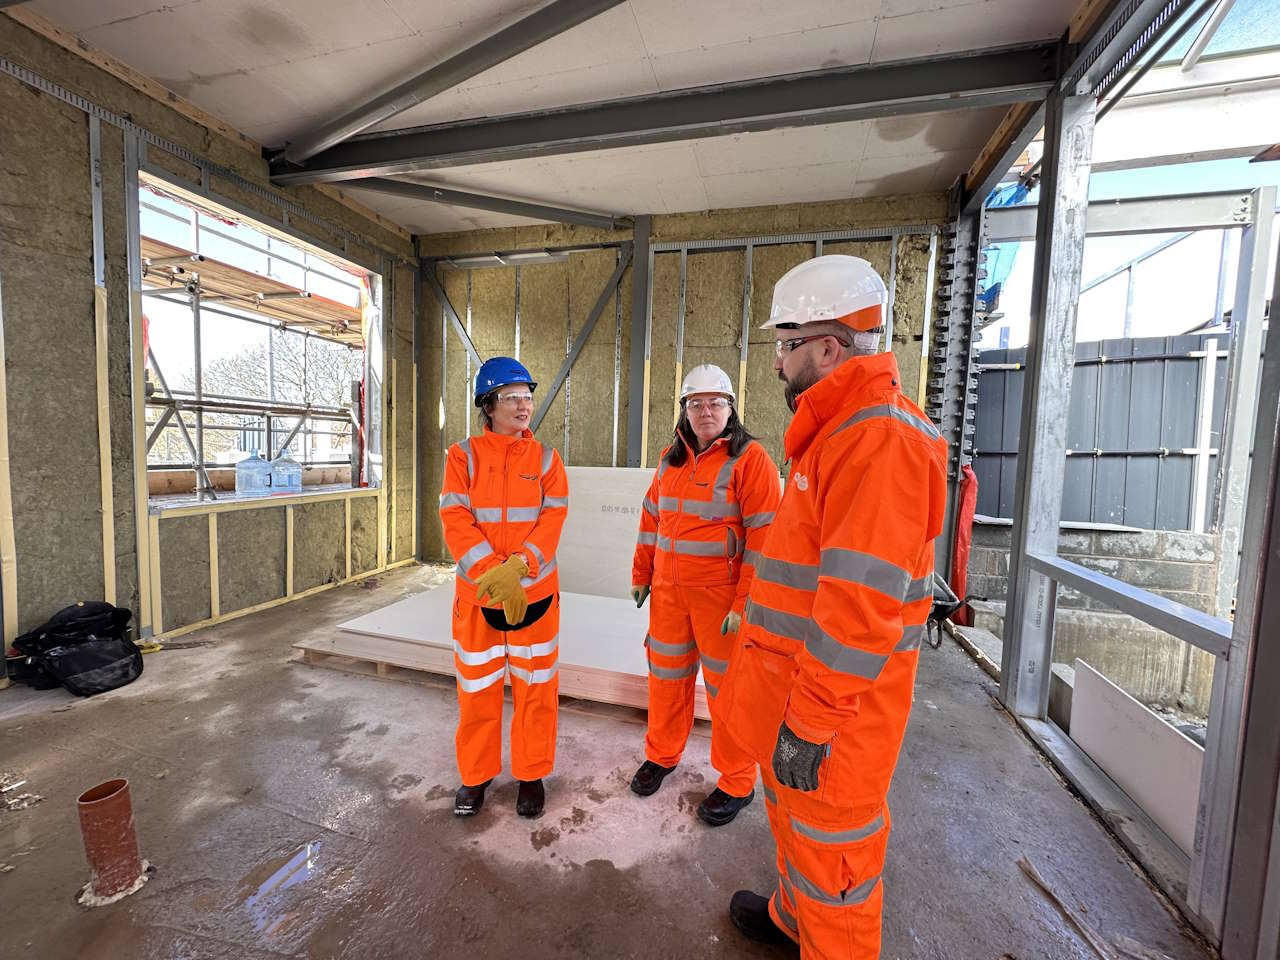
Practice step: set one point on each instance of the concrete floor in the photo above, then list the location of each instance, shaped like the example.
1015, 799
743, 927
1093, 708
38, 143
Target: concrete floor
239, 759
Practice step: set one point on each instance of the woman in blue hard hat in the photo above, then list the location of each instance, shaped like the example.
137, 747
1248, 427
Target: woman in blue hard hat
503, 504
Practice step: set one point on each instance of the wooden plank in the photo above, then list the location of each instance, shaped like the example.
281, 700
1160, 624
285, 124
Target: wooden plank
334, 320
1086, 18
1154, 763
1014, 120
351, 203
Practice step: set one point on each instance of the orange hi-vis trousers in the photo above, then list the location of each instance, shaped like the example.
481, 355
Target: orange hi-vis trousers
830, 859
684, 629
482, 658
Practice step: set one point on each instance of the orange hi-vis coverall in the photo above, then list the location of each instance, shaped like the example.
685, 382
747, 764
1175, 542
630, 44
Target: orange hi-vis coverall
830, 641
701, 528
504, 495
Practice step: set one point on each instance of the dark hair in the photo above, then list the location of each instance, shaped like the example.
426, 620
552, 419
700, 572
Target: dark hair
734, 430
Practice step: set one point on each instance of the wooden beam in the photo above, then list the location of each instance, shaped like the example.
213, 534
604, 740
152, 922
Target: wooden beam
1008, 128
156, 91
1086, 18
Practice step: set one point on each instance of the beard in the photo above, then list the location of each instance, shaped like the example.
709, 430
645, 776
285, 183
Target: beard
803, 379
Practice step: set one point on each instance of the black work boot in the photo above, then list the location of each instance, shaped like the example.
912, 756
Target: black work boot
720, 807
468, 800
649, 778
530, 798
750, 914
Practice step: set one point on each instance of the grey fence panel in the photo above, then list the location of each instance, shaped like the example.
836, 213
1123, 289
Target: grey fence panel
1132, 431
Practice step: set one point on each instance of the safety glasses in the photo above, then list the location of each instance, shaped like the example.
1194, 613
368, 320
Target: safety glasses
786, 346
513, 397
710, 403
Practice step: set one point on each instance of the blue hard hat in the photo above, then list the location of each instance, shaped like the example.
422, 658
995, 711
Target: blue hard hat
499, 372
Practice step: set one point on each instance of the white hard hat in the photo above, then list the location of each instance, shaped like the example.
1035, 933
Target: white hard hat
707, 378
831, 287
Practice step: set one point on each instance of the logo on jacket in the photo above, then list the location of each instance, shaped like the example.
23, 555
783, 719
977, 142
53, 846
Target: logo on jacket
802, 482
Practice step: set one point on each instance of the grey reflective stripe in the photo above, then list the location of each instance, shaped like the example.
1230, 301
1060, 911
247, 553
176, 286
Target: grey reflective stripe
850, 898
544, 571
912, 637
668, 503
694, 548
670, 649
712, 511
478, 658
841, 658
522, 514
920, 589
752, 557
711, 689
471, 461
555, 503
723, 479
798, 576
533, 676
647, 539
487, 514
455, 500
893, 413
769, 794
537, 554
528, 652
547, 453
474, 556
650, 507
488, 680
673, 673
838, 836
783, 912
865, 570
790, 625
711, 663
758, 520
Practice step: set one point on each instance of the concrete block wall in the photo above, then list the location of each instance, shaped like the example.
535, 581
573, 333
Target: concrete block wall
1175, 564
48, 313
554, 301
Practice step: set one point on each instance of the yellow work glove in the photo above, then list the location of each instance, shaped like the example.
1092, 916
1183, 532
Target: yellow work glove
502, 585
638, 593
732, 623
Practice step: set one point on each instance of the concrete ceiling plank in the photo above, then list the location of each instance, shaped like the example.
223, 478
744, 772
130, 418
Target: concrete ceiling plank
782, 149
969, 26
671, 26
819, 181
936, 132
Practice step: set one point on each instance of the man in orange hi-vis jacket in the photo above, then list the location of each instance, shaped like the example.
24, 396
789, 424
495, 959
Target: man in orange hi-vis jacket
820, 684
703, 521
503, 504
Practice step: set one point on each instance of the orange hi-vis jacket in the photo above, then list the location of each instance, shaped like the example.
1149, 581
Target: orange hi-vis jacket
504, 495
832, 630
703, 522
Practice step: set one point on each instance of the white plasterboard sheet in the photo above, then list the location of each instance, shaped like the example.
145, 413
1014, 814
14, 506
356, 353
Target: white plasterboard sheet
1155, 764
599, 536
597, 632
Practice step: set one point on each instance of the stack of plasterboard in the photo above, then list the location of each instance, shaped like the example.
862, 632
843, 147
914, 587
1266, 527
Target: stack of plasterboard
602, 654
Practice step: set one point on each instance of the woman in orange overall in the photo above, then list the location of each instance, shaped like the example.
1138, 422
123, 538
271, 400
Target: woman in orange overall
503, 504
704, 519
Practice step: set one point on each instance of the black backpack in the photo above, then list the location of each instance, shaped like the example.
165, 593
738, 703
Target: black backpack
85, 648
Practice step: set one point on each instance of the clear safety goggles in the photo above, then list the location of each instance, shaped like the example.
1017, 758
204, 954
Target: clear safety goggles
511, 398
699, 404
786, 346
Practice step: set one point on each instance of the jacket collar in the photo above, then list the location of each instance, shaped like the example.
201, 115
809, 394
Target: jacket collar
693, 451
845, 388
502, 440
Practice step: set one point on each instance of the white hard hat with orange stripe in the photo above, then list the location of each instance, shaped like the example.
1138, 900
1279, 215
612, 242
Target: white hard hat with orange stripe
834, 287
707, 378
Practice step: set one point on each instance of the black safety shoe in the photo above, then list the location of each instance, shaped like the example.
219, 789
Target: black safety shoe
468, 800
750, 914
719, 807
530, 798
649, 778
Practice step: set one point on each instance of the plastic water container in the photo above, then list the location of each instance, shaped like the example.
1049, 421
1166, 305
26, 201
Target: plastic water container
286, 475
253, 476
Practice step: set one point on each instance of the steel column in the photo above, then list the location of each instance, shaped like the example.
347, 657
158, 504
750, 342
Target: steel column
1046, 398
1218, 840
137, 367
638, 348
1243, 364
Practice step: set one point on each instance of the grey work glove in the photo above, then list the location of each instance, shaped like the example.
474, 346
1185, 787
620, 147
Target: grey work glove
796, 761
638, 593
732, 623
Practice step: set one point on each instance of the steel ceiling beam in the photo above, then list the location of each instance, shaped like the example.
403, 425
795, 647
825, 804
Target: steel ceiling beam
543, 24
981, 78
479, 201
